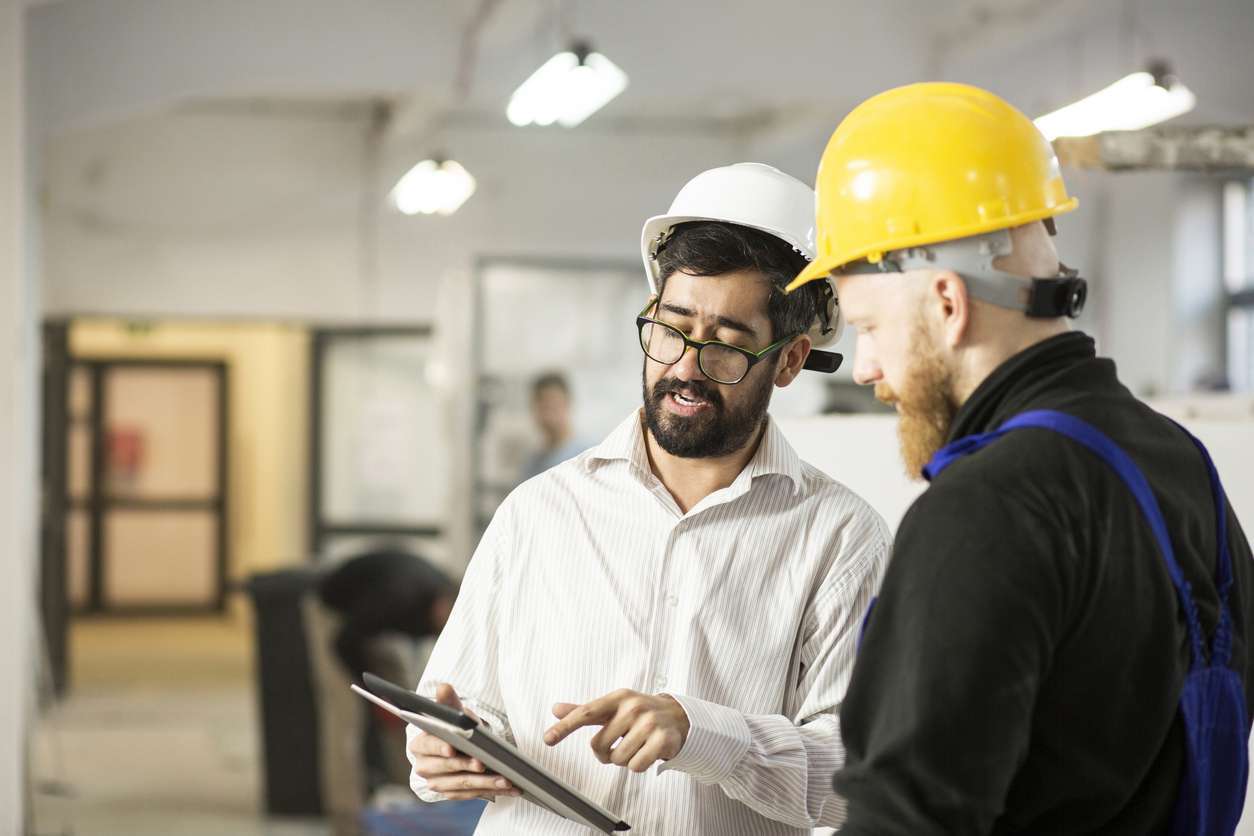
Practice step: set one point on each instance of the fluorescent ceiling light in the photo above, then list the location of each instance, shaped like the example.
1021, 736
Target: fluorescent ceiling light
1131, 103
567, 89
433, 188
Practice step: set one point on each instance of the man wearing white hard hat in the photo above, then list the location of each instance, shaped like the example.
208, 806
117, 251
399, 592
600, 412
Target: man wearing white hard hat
688, 593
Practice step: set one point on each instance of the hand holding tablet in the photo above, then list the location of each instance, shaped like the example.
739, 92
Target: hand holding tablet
475, 746
450, 773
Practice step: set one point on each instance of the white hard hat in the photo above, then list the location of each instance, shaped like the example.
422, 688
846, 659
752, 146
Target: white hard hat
746, 194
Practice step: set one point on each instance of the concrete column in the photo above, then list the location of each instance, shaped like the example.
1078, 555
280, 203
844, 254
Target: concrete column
18, 426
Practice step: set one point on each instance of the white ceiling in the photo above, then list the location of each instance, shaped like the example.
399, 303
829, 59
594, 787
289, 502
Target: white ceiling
95, 61
782, 71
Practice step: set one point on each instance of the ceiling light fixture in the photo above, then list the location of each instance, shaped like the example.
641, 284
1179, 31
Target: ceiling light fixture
433, 187
1130, 104
567, 89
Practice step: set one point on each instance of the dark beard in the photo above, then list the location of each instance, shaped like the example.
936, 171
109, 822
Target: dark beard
717, 432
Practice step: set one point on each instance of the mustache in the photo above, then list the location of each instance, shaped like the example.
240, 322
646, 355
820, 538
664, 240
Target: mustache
687, 388
884, 394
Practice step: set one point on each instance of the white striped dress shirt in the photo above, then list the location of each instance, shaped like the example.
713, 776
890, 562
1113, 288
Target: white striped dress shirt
746, 609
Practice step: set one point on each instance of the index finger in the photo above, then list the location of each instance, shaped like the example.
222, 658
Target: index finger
594, 713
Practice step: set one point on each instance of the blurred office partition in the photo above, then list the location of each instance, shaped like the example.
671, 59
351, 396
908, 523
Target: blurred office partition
380, 444
537, 315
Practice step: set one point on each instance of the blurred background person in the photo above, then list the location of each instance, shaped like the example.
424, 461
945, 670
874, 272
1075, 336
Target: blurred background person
551, 410
384, 591
375, 611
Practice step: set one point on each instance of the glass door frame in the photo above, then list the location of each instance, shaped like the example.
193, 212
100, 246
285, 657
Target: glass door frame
321, 527
481, 488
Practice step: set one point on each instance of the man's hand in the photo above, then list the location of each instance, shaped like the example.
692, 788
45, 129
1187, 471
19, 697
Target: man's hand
652, 727
447, 771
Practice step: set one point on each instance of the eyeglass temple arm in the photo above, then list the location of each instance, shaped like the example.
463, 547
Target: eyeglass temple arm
823, 361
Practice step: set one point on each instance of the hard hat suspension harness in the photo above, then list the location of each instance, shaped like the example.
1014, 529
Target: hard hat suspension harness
826, 362
972, 259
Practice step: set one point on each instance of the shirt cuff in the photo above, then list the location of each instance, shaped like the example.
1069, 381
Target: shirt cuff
419, 786
718, 737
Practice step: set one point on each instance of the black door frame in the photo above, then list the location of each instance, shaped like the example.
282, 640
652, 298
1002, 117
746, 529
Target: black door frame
98, 502
54, 604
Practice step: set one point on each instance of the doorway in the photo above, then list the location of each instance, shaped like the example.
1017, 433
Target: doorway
146, 511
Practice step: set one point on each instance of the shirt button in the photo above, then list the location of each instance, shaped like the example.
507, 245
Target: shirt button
660, 681
672, 600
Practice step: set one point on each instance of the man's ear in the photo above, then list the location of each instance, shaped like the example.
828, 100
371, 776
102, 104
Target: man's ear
947, 304
793, 360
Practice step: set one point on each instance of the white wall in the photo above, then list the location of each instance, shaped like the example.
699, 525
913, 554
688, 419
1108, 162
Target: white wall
1199, 296
1150, 245
861, 452
1134, 275
240, 212
206, 212
18, 440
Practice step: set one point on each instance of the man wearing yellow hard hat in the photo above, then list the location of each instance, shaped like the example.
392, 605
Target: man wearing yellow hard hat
1061, 644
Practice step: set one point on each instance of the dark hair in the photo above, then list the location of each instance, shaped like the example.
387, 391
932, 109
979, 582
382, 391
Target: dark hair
557, 380
713, 248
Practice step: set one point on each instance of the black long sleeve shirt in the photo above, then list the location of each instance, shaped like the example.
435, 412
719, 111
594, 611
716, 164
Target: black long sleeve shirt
381, 592
1021, 671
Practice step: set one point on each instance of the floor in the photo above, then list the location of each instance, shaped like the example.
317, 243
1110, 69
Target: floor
158, 735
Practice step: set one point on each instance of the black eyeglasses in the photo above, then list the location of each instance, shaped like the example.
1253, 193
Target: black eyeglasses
719, 361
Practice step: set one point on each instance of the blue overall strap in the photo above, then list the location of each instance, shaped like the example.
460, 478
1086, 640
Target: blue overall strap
1109, 452
866, 622
955, 450
1221, 651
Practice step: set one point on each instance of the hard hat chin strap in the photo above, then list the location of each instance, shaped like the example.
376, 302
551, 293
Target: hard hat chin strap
972, 258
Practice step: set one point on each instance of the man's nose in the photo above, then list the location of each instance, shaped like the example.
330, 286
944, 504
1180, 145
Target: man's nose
866, 369
688, 366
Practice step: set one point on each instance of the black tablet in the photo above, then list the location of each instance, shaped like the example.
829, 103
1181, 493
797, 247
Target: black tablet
475, 739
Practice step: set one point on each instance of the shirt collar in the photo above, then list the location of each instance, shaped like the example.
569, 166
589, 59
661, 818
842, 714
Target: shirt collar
626, 443
776, 456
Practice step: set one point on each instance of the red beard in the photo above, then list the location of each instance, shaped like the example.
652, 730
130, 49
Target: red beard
925, 404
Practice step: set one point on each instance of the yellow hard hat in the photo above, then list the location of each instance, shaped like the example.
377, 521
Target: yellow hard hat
928, 163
